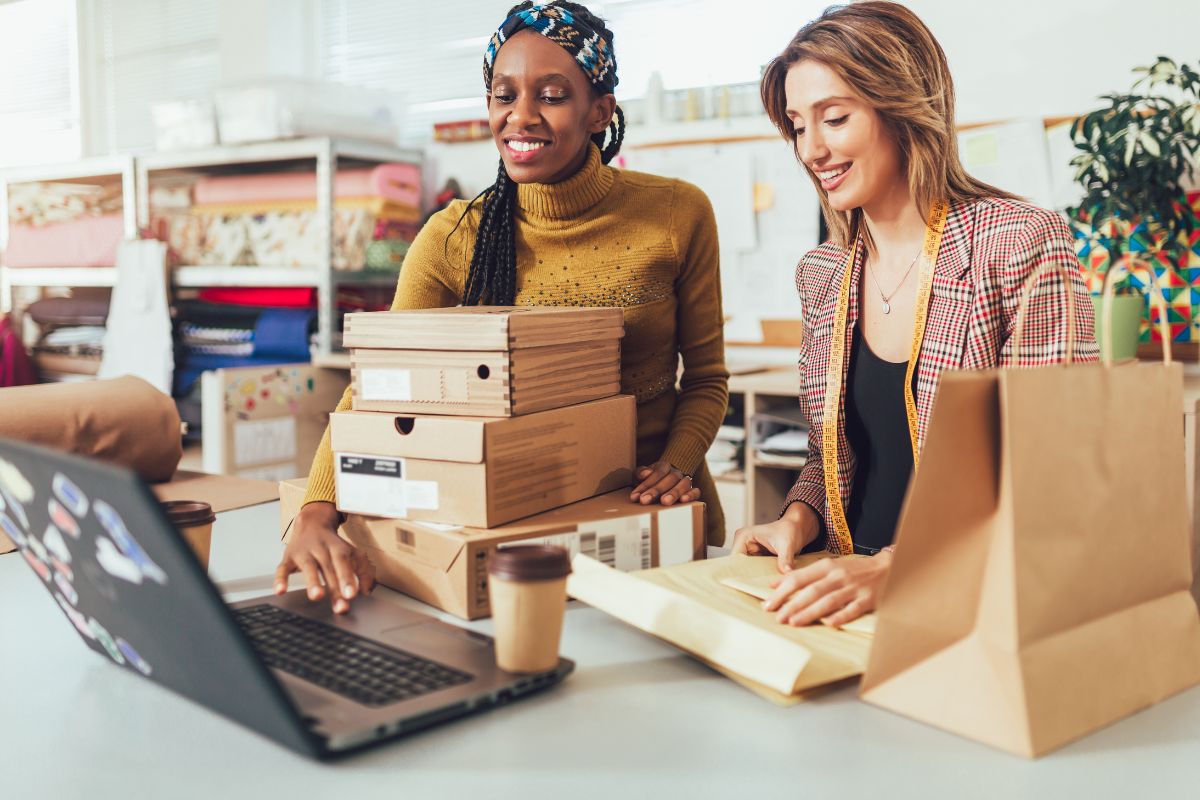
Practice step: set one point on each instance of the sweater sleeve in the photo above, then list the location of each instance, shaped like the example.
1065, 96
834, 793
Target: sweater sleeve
432, 276
699, 325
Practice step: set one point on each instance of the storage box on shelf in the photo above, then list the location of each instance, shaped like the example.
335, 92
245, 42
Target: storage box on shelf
768, 404
322, 157
60, 225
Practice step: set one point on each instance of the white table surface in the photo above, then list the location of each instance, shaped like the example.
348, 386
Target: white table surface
635, 719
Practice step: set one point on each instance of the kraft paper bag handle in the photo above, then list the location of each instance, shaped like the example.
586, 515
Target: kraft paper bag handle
1027, 296
1157, 297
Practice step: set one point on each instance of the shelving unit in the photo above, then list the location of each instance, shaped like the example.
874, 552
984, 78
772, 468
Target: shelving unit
764, 480
107, 168
325, 156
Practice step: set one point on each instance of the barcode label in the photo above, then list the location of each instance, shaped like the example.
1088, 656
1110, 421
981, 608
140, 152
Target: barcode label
622, 544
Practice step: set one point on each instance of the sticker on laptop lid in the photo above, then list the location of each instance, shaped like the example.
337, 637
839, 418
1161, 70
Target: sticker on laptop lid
77, 619
66, 588
39, 549
15, 508
13, 481
62, 518
115, 563
12, 530
38, 565
71, 495
106, 640
62, 569
135, 658
127, 544
109, 518
53, 540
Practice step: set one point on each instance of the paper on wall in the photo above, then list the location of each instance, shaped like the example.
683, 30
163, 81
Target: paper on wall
1012, 156
264, 441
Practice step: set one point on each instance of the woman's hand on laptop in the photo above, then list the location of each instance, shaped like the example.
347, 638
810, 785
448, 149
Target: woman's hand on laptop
332, 567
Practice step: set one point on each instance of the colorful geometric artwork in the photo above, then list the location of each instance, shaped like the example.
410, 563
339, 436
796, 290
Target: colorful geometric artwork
1178, 281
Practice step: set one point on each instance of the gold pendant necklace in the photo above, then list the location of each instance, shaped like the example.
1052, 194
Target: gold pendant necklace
886, 299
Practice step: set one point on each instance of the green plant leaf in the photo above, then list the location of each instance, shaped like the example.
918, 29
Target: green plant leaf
1150, 144
1131, 136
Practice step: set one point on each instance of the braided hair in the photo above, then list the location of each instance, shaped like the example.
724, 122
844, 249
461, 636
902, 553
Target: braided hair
492, 278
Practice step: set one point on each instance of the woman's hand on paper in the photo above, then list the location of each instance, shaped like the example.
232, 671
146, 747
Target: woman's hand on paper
833, 590
785, 537
333, 569
665, 483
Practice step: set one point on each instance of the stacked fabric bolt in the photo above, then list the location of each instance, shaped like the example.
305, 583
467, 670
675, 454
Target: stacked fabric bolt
71, 339
64, 224
271, 219
221, 335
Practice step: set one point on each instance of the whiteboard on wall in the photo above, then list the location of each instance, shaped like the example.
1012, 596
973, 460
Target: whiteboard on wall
767, 216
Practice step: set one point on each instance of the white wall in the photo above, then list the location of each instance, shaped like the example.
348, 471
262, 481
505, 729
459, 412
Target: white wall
1043, 58
1010, 60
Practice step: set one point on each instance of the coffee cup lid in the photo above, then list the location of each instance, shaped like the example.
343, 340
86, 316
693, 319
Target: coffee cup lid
530, 562
186, 513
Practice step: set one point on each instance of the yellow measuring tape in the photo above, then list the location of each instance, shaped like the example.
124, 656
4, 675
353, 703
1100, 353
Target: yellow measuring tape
835, 376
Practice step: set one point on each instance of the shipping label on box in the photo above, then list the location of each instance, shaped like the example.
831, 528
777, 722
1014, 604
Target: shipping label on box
622, 544
380, 486
481, 471
383, 384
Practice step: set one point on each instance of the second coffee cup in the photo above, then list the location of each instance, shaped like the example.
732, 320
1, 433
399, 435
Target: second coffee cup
527, 586
194, 520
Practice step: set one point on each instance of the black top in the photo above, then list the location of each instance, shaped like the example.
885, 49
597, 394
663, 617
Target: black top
877, 431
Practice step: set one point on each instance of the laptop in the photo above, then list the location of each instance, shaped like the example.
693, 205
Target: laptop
320, 684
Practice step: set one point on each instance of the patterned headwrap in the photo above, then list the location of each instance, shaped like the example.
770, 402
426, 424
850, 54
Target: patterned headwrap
587, 46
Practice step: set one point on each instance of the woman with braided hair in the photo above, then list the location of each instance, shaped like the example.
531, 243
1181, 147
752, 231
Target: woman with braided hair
561, 227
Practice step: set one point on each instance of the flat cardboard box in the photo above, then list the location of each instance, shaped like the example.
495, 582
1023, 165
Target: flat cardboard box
496, 328
446, 566
481, 471
484, 382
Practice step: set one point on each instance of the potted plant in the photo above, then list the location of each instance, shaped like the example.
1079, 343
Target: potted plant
1135, 215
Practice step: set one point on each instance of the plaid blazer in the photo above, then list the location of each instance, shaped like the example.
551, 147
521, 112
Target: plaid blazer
989, 248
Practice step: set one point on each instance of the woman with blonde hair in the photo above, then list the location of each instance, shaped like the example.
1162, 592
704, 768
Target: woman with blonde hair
923, 273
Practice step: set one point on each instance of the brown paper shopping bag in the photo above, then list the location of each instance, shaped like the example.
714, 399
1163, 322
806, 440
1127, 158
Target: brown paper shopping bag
1040, 588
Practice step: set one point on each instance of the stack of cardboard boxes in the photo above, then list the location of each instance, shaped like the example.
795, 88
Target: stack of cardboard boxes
467, 419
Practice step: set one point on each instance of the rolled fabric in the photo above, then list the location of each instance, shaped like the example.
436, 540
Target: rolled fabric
122, 421
399, 183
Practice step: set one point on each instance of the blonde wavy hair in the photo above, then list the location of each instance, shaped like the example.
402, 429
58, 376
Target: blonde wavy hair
891, 60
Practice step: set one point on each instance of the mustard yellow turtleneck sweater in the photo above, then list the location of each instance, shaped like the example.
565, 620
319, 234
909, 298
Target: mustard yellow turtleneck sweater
604, 237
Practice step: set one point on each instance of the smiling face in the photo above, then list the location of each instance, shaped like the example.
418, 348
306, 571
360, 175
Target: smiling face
841, 139
542, 110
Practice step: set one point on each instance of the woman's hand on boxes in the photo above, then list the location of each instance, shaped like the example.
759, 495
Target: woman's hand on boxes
833, 590
332, 567
784, 538
665, 483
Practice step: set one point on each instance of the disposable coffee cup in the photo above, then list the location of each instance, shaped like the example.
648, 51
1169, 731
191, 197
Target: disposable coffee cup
527, 586
194, 520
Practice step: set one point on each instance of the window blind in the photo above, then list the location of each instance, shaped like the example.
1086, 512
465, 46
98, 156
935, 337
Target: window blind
147, 52
39, 90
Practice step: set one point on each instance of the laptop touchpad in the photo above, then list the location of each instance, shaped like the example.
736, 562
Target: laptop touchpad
432, 638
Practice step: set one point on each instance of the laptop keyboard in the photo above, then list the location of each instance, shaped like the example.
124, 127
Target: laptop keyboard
362, 670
